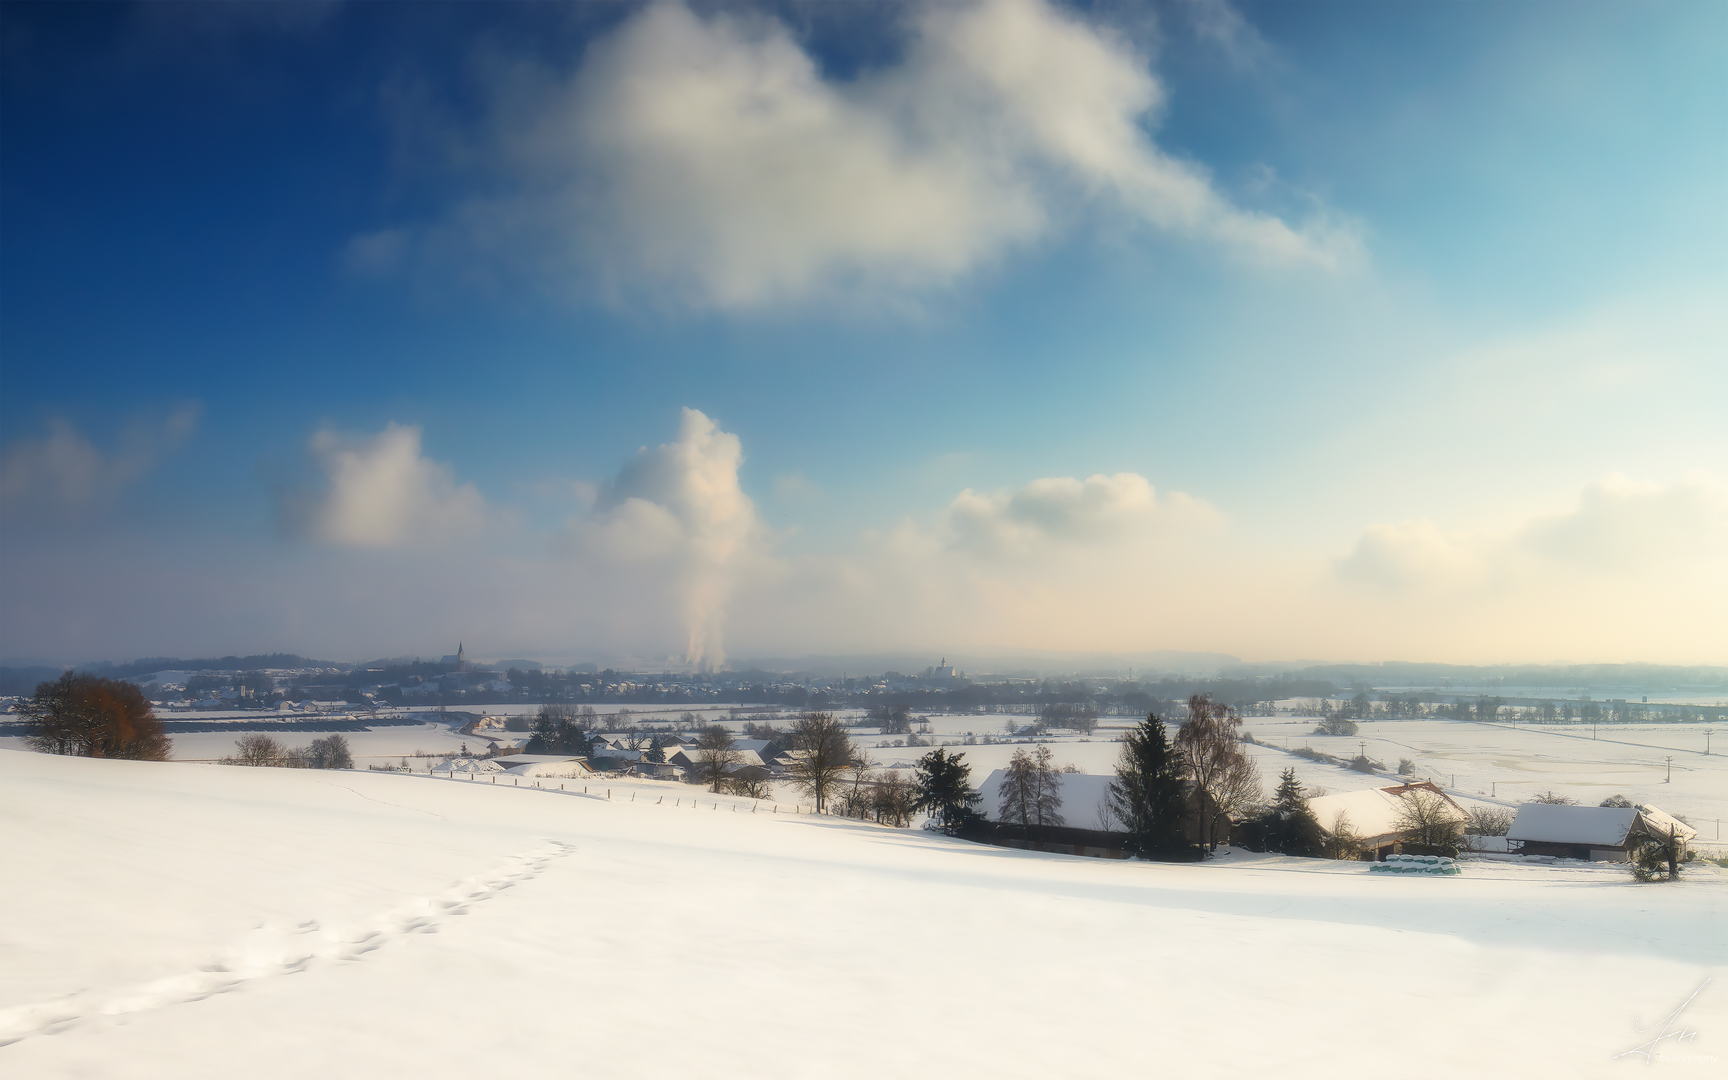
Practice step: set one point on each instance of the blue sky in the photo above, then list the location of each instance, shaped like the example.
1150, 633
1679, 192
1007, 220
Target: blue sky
1333, 331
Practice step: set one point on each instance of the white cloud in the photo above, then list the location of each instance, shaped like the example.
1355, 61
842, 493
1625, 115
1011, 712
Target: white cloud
1621, 526
708, 158
1412, 553
64, 472
676, 513
1618, 531
383, 493
1064, 510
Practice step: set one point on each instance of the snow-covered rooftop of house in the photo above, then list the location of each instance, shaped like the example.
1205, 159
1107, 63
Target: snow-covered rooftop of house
1605, 826
1082, 796
1373, 812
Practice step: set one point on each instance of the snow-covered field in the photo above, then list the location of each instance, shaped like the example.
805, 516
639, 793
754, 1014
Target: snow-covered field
192, 920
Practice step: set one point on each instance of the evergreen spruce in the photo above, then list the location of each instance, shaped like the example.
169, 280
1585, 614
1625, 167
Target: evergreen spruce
944, 790
1147, 793
545, 737
1290, 826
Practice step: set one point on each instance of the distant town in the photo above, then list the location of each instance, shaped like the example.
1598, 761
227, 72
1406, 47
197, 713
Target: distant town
288, 683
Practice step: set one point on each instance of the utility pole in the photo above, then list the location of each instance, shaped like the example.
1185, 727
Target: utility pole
1669, 779
1707, 733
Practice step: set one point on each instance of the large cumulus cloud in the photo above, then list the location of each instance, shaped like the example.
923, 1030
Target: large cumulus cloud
708, 159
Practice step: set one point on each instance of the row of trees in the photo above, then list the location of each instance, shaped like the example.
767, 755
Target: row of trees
258, 749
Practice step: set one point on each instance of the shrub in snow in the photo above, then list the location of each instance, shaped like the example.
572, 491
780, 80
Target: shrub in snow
1657, 860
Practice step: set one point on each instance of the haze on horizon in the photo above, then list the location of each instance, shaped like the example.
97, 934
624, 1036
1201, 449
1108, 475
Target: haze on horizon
1284, 330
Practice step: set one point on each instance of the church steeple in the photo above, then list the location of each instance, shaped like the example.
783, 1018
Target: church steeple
461, 660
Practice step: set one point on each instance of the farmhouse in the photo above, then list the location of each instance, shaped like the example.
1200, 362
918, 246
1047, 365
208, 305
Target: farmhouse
1374, 814
1594, 833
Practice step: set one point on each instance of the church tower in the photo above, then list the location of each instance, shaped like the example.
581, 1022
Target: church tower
461, 661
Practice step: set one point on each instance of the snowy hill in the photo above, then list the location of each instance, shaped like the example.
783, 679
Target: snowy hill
205, 921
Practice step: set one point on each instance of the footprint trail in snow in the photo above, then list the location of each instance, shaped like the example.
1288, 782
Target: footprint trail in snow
275, 950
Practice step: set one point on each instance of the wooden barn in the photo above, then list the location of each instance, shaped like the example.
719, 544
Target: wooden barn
1591, 833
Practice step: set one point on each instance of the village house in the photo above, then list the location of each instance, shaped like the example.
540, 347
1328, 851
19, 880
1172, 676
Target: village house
1374, 814
1592, 833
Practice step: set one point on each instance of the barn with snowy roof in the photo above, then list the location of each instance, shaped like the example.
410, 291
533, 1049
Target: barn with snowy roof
1593, 833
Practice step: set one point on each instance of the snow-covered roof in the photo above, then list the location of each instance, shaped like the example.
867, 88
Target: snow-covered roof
694, 756
1602, 826
1372, 812
474, 765
1081, 795
621, 754
1659, 823
536, 759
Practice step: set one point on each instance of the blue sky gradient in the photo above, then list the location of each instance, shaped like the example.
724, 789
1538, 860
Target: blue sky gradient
266, 215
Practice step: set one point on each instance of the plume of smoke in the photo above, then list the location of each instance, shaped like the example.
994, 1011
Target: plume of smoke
681, 502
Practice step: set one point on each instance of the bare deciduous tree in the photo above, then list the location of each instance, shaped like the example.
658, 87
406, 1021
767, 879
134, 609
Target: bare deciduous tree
894, 799
821, 753
1225, 780
1430, 820
1488, 821
1342, 841
750, 786
256, 749
331, 752
715, 755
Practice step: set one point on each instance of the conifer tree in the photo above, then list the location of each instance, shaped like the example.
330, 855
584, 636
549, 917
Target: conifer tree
1147, 793
944, 790
1291, 827
545, 737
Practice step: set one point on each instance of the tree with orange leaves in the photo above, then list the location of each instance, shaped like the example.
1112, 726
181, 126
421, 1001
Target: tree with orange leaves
87, 716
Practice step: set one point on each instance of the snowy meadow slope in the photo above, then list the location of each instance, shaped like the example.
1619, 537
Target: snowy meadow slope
203, 921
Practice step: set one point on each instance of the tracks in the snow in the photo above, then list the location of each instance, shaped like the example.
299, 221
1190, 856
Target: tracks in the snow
276, 950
